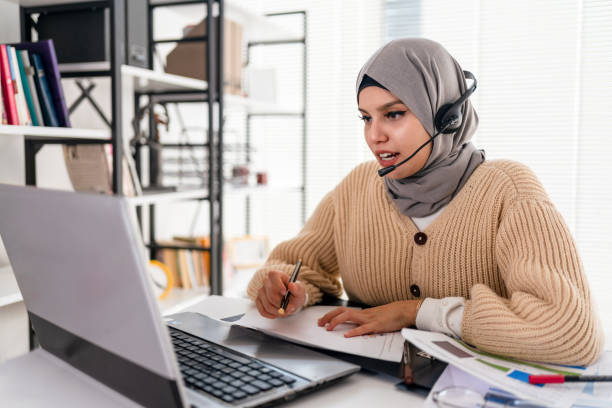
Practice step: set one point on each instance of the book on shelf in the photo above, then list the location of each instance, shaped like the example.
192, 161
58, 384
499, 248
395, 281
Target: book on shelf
46, 53
197, 268
183, 266
22, 109
189, 268
42, 87
3, 118
8, 93
29, 87
203, 241
168, 257
32, 92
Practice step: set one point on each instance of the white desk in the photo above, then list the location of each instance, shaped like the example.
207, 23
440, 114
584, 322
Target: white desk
27, 382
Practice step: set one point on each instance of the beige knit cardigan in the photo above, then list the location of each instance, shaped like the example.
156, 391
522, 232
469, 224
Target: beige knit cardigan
500, 243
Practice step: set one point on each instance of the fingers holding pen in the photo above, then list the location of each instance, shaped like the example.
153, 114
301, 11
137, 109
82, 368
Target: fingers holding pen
265, 307
297, 298
270, 295
263, 310
275, 287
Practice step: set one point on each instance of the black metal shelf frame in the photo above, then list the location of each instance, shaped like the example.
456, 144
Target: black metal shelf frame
213, 95
33, 144
117, 58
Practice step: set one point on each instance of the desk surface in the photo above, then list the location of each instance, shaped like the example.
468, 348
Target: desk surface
25, 382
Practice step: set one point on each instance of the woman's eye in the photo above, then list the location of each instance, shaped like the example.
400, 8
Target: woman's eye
364, 118
395, 114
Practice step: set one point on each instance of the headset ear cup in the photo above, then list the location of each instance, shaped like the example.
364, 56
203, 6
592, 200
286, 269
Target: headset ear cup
444, 114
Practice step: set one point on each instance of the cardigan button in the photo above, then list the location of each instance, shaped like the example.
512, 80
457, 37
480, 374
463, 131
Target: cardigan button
420, 238
415, 290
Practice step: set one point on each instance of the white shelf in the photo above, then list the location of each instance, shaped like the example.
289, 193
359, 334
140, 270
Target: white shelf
9, 291
167, 197
43, 132
39, 3
255, 106
145, 80
179, 299
229, 188
257, 27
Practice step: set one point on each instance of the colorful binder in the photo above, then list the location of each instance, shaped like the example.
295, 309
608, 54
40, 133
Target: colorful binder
22, 107
27, 77
30, 73
44, 94
8, 93
4, 119
48, 59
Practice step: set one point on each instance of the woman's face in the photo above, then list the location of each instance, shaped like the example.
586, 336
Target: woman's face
392, 131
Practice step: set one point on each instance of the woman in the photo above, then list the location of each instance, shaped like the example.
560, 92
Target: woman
447, 241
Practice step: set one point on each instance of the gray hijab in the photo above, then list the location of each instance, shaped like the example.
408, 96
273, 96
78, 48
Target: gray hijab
424, 76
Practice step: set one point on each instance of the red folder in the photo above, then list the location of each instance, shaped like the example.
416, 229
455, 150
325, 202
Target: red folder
8, 93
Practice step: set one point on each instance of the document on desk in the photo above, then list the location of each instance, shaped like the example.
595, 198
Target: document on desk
594, 395
513, 375
302, 328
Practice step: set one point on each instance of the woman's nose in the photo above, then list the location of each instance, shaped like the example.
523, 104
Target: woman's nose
377, 132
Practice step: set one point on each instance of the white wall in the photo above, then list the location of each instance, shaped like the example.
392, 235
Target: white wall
13, 318
11, 147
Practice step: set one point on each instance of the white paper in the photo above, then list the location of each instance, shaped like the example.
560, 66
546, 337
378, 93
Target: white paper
302, 328
501, 372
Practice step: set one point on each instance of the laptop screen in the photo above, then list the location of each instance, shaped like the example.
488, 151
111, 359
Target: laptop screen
81, 267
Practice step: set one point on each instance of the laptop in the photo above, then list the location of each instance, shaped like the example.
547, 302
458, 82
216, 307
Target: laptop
81, 267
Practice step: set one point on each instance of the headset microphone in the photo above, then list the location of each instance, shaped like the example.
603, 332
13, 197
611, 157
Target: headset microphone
447, 120
386, 170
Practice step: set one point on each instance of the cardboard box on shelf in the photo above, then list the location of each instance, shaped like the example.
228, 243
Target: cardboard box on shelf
189, 58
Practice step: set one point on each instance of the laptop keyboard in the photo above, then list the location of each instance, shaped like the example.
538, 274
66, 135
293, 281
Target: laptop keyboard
219, 372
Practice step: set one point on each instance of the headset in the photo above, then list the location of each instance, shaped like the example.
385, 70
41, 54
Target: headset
448, 119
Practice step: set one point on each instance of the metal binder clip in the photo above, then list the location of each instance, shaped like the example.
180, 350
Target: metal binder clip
418, 367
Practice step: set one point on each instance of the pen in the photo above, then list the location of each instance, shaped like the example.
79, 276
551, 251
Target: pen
560, 379
293, 278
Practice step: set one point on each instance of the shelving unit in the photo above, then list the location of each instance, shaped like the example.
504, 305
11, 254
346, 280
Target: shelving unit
267, 32
128, 84
256, 28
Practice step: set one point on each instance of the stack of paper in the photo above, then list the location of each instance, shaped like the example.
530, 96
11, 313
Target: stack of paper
482, 371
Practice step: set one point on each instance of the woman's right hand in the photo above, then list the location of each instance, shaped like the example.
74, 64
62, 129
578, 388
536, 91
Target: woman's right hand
271, 294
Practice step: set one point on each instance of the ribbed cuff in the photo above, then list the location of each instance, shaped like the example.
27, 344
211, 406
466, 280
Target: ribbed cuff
441, 315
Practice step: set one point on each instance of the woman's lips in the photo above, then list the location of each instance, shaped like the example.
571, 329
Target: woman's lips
387, 159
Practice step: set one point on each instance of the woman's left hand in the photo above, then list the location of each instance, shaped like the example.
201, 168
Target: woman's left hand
381, 319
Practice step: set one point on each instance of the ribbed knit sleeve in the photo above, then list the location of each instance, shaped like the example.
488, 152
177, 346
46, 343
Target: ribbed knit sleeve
315, 246
548, 315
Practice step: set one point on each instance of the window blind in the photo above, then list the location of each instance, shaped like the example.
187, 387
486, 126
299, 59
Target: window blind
341, 35
544, 99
